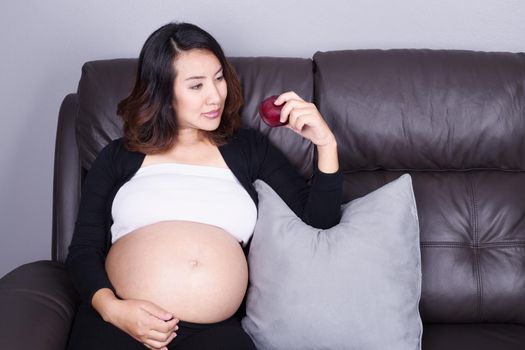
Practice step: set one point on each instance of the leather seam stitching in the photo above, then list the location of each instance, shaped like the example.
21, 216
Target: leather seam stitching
477, 267
472, 246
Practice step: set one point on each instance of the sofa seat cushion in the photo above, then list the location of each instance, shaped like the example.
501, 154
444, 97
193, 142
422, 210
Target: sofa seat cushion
481, 336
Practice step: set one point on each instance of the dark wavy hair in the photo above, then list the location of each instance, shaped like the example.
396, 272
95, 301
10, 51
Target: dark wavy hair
150, 123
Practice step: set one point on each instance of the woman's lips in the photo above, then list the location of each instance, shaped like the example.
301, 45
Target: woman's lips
212, 114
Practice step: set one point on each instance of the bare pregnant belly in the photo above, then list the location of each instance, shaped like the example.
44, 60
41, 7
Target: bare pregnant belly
196, 271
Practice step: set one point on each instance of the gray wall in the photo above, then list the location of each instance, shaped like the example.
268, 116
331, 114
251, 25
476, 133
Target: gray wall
44, 43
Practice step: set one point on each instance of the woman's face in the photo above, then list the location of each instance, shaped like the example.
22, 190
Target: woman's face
199, 90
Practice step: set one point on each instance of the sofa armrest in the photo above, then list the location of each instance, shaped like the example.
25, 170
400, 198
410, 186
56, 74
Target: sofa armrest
37, 303
66, 179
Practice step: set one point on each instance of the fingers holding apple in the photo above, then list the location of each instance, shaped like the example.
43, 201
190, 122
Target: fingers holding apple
291, 111
274, 110
303, 118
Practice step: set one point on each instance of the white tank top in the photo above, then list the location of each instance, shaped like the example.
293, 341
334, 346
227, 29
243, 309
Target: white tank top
172, 191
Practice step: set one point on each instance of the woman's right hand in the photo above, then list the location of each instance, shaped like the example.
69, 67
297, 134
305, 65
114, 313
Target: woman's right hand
144, 321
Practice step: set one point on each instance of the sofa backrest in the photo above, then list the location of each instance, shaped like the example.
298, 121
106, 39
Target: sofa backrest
454, 120
104, 84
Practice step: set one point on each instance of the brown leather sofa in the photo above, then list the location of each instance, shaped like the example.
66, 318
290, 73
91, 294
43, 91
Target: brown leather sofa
454, 120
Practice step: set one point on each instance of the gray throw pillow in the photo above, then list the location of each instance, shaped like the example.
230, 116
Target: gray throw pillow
354, 286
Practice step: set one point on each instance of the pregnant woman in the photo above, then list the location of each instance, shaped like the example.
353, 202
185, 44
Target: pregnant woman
157, 254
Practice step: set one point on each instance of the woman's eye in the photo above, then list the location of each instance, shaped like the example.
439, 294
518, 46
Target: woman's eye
196, 87
220, 78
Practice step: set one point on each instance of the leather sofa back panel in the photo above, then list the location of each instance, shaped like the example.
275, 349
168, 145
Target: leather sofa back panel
472, 241
265, 76
424, 109
105, 83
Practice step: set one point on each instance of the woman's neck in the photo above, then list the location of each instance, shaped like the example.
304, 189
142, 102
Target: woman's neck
191, 137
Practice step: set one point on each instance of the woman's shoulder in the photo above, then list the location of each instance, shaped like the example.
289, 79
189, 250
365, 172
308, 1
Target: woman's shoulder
117, 148
113, 149
116, 154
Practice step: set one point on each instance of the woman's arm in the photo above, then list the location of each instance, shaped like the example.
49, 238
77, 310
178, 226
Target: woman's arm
141, 319
318, 204
88, 248
304, 119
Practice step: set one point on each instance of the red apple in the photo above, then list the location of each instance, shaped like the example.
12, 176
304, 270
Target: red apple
271, 113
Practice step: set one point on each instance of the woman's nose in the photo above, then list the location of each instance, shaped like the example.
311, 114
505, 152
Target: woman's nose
214, 95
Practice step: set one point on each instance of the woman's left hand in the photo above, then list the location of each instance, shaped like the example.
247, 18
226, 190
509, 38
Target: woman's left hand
304, 118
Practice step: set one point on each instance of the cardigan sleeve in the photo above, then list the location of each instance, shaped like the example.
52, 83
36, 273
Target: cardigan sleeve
317, 203
88, 248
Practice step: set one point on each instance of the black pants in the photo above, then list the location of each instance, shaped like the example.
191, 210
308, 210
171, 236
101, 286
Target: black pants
91, 332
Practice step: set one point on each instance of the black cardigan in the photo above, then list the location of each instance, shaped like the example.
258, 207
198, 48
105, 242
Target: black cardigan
248, 154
